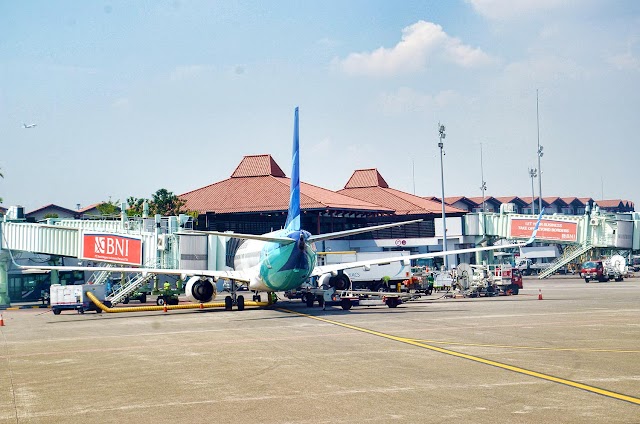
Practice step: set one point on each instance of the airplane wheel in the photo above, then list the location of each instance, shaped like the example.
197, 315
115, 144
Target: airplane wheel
160, 301
56, 311
309, 301
228, 303
392, 302
240, 302
346, 304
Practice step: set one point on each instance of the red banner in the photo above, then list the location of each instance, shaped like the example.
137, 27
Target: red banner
549, 229
112, 248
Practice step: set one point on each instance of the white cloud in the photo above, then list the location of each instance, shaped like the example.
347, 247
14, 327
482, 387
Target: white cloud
323, 147
508, 9
121, 103
419, 43
189, 71
548, 69
625, 61
406, 100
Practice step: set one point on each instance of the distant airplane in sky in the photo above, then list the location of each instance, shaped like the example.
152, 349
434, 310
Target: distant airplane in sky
29, 125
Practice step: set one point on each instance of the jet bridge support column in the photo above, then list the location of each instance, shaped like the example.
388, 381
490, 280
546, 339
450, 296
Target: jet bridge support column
5, 262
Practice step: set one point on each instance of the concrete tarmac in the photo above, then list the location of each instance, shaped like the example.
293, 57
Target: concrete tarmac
573, 357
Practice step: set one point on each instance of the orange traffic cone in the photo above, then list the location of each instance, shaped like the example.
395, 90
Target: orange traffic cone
539, 294
1, 320
165, 307
201, 306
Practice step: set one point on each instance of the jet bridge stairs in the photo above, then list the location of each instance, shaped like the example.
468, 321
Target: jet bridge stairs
570, 253
126, 288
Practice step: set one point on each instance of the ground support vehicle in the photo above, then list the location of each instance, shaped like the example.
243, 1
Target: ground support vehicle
419, 282
613, 268
349, 298
139, 296
374, 277
74, 297
168, 297
487, 280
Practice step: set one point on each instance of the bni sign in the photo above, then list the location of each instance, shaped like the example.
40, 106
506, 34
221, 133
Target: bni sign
112, 248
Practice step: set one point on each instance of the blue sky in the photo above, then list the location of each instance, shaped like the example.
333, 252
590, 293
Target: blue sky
131, 97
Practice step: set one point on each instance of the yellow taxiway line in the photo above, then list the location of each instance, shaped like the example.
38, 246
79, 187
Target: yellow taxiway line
508, 367
558, 349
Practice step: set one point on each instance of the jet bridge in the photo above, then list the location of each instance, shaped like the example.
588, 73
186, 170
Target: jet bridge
132, 241
578, 233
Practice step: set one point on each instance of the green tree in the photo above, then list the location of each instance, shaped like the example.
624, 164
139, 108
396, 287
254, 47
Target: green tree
109, 208
135, 206
51, 215
166, 203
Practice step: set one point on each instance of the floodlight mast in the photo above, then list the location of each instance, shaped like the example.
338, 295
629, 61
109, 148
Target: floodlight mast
539, 156
533, 174
483, 186
442, 135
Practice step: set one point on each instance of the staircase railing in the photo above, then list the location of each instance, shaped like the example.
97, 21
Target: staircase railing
569, 254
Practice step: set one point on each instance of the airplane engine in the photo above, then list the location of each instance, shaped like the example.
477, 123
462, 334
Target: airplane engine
200, 289
340, 281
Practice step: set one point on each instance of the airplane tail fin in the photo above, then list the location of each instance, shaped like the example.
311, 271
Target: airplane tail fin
293, 216
535, 229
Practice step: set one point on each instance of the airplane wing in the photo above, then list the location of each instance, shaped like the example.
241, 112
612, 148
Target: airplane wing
274, 239
338, 234
334, 268
324, 269
241, 276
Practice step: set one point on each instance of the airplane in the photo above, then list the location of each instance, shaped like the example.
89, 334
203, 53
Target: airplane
281, 260
29, 125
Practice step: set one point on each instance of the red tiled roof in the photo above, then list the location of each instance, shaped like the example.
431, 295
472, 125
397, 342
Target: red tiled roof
258, 166
366, 178
452, 199
403, 203
249, 190
88, 208
613, 203
478, 199
569, 200
552, 199
52, 206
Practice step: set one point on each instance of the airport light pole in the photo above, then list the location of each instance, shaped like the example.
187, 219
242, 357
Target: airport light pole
533, 174
539, 156
441, 130
483, 186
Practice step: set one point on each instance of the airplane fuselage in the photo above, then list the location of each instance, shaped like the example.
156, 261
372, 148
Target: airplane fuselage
277, 267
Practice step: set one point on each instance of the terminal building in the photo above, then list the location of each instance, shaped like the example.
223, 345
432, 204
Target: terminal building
254, 200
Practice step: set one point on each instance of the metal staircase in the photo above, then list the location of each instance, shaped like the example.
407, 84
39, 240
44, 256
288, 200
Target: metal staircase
100, 277
570, 253
127, 288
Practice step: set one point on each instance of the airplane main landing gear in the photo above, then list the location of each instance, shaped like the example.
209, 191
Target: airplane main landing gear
228, 303
234, 299
240, 303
